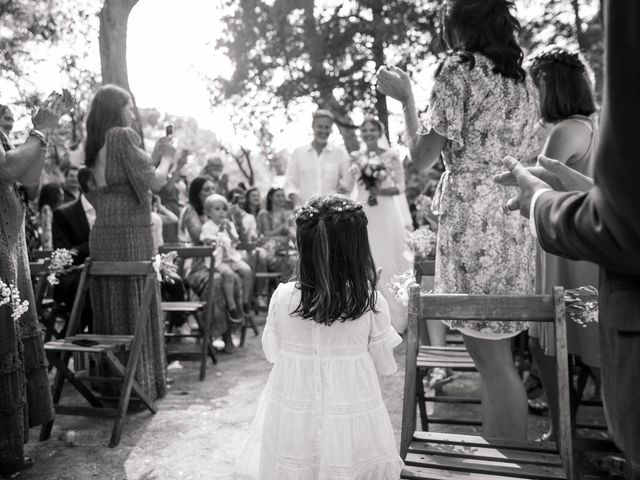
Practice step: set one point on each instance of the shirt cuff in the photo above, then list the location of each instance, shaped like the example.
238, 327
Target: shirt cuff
532, 209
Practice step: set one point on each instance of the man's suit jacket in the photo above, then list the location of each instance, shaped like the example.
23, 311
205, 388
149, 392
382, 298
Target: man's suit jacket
70, 229
603, 225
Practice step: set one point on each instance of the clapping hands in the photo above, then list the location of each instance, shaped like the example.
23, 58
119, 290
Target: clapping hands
49, 113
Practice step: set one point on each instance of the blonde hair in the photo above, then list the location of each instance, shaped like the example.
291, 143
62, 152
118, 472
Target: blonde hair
214, 199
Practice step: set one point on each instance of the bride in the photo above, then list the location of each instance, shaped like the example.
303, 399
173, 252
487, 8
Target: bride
386, 211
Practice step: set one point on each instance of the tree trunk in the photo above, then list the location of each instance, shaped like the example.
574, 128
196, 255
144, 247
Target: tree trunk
378, 57
578, 24
343, 121
114, 17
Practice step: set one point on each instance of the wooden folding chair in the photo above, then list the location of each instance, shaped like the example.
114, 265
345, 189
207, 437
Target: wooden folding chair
103, 348
430, 455
196, 308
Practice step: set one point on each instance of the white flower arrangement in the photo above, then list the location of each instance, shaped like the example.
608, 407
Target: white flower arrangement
60, 263
165, 266
581, 305
9, 295
421, 242
399, 286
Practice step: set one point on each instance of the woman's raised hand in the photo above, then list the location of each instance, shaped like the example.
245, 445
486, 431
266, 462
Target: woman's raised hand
49, 113
394, 83
164, 148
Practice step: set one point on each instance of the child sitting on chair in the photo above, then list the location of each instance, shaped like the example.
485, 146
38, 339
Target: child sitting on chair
219, 230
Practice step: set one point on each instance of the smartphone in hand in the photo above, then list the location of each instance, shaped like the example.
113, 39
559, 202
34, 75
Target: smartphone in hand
169, 130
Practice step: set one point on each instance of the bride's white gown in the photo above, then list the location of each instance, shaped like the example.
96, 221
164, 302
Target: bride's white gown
387, 232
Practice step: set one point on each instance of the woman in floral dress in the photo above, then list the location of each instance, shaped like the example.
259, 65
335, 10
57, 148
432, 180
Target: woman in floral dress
482, 107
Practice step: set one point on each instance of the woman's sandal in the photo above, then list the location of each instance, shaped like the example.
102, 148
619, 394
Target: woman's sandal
439, 377
614, 465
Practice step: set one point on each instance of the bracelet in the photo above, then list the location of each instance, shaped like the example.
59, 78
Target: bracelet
40, 135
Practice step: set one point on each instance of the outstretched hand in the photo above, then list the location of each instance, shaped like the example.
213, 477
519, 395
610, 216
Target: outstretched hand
528, 183
49, 113
394, 83
556, 174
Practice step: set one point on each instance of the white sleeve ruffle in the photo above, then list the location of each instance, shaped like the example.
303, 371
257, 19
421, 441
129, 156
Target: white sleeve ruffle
270, 336
383, 339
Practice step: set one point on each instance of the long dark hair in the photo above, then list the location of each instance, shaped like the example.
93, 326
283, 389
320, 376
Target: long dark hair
194, 193
336, 273
50, 195
104, 114
246, 206
269, 200
564, 81
483, 26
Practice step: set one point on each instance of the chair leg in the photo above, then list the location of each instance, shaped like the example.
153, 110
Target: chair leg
119, 368
204, 329
424, 419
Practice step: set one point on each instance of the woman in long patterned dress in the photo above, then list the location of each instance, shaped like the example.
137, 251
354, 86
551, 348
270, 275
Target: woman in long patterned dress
482, 107
25, 397
387, 229
125, 176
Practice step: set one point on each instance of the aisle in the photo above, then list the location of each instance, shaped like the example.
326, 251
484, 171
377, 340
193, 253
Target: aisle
200, 427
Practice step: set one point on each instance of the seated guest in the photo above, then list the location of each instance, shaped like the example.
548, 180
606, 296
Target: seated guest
51, 197
213, 170
160, 216
221, 231
275, 228
252, 202
192, 219
71, 186
244, 222
72, 223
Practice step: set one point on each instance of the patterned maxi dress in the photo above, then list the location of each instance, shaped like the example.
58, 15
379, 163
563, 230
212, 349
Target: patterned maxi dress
25, 397
481, 248
122, 232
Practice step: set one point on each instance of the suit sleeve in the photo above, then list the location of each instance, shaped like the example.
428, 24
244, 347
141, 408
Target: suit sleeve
60, 229
603, 225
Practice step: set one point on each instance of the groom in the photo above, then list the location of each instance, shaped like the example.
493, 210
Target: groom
602, 224
318, 168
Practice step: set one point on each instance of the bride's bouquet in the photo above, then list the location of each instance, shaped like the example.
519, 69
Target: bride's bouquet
373, 172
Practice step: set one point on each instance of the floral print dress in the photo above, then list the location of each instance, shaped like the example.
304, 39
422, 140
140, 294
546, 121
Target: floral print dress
481, 248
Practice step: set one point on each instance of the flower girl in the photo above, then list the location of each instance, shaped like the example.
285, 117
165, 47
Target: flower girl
321, 414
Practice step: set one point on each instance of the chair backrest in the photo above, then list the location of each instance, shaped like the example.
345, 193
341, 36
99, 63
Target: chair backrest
504, 308
39, 271
41, 254
113, 269
199, 251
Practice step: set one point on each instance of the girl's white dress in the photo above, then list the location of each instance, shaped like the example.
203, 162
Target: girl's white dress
321, 415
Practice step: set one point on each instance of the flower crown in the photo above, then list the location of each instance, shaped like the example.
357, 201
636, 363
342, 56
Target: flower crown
555, 55
308, 212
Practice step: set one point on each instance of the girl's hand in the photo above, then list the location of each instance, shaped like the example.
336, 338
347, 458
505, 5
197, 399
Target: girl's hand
49, 113
394, 83
164, 149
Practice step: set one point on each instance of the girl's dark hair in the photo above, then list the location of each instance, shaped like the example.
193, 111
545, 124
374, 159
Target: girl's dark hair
194, 193
336, 273
50, 195
270, 194
104, 114
483, 26
564, 80
246, 206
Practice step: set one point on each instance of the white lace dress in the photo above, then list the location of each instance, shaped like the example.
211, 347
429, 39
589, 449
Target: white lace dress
321, 415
